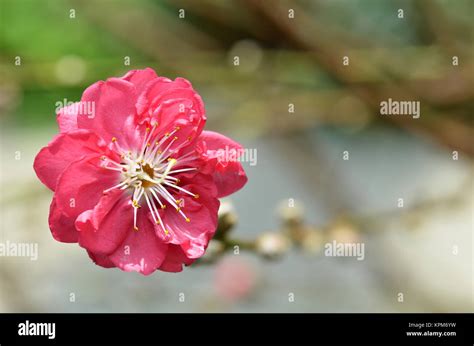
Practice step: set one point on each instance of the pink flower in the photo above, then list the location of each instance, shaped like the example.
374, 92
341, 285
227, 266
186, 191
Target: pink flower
136, 181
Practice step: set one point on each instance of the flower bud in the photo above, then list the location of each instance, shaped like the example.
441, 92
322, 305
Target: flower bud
291, 213
272, 245
227, 219
343, 232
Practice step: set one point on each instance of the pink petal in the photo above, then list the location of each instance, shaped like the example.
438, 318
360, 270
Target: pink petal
158, 87
228, 173
173, 104
179, 113
103, 229
193, 236
101, 260
114, 102
67, 118
141, 250
140, 78
81, 185
175, 258
64, 149
62, 226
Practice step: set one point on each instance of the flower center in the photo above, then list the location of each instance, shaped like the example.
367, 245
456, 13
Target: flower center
151, 173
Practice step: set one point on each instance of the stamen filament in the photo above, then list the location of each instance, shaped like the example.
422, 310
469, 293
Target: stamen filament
180, 188
150, 171
171, 163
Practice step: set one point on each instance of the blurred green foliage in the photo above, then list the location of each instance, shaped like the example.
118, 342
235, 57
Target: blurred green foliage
294, 60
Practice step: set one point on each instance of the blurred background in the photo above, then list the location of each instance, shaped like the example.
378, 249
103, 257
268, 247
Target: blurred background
330, 167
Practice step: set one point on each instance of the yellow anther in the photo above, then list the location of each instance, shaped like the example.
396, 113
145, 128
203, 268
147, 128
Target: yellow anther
157, 222
114, 139
159, 152
135, 204
166, 232
175, 138
148, 144
189, 138
196, 196
177, 128
178, 209
147, 129
163, 206
167, 134
188, 219
177, 181
178, 201
135, 228
103, 158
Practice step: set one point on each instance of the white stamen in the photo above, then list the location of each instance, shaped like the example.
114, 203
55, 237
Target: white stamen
180, 188
149, 172
183, 170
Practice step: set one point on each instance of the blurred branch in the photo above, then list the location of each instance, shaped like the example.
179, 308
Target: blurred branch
328, 51
436, 26
345, 228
